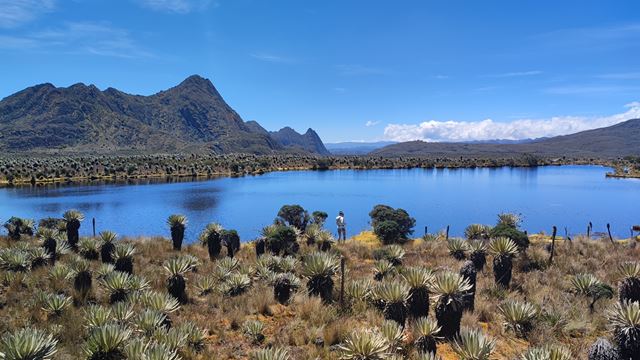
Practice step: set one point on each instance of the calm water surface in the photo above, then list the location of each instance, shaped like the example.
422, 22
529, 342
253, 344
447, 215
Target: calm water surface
567, 196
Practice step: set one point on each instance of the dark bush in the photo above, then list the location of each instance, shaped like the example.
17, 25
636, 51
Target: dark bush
319, 217
388, 232
293, 215
391, 225
282, 240
503, 230
231, 240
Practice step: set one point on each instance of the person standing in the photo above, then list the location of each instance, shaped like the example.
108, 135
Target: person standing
342, 232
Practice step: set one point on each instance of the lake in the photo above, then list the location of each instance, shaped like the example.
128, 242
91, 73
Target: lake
565, 196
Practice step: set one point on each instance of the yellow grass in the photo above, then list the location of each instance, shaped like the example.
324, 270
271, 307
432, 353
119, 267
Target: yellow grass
309, 328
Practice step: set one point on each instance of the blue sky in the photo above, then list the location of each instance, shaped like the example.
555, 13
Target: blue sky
352, 70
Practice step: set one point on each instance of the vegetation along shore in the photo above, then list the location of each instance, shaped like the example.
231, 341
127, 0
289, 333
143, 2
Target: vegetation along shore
296, 293
42, 169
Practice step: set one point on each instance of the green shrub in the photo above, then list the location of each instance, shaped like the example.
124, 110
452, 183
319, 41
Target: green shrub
391, 225
293, 215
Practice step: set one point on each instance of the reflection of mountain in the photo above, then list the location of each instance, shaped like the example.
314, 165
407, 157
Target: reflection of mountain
199, 199
190, 117
622, 139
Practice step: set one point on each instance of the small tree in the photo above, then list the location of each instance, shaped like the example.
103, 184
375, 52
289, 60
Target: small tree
284, 285
591, 287
177, 225
625, 320
449, 289
388, 232
319, 217
107, 246
82, 279
508, 227
503, 250
629, 286
50, 240
176, 284
231, 240
211, 237
418, 280
391, 225
73, 219
319, 268
469, 272
280, 239
293, 215
18, 226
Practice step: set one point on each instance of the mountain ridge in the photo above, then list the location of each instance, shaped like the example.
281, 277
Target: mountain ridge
355, 147
622, 139
309, 141
189, 117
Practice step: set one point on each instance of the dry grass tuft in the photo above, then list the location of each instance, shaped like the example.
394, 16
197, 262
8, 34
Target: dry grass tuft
310, 328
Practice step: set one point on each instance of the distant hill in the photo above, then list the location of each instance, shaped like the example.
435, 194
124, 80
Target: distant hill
309, 141
355, 147
622, 139
190, 117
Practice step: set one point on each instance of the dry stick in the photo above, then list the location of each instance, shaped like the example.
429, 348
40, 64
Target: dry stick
566, 233
553, 244
342, 283
609, 231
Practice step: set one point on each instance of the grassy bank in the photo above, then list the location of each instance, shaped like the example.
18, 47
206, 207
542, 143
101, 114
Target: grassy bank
48, 169
307, 327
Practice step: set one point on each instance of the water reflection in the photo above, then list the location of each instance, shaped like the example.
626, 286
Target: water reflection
563, 196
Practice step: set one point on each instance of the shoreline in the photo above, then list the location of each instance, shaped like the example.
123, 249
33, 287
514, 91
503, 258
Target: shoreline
413, 163
622, 176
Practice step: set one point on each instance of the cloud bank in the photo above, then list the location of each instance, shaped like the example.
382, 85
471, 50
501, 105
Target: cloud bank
458, 131
176, 6
14, 13
516, 74
269, 57
89, 38
371, 123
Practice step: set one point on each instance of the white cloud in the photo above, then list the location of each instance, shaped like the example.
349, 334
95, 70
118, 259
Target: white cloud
78, 38
268, 57
357, 69
176, 6
589, 35
14, 13
488, 129
592, 89
371, 123
516, 74
621, 76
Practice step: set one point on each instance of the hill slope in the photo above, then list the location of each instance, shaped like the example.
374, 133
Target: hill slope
610, 142
192, 117
356, 148
309, 141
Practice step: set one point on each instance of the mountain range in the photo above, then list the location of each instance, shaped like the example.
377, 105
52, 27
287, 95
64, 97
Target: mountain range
618, 140
190, 117
356, 147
